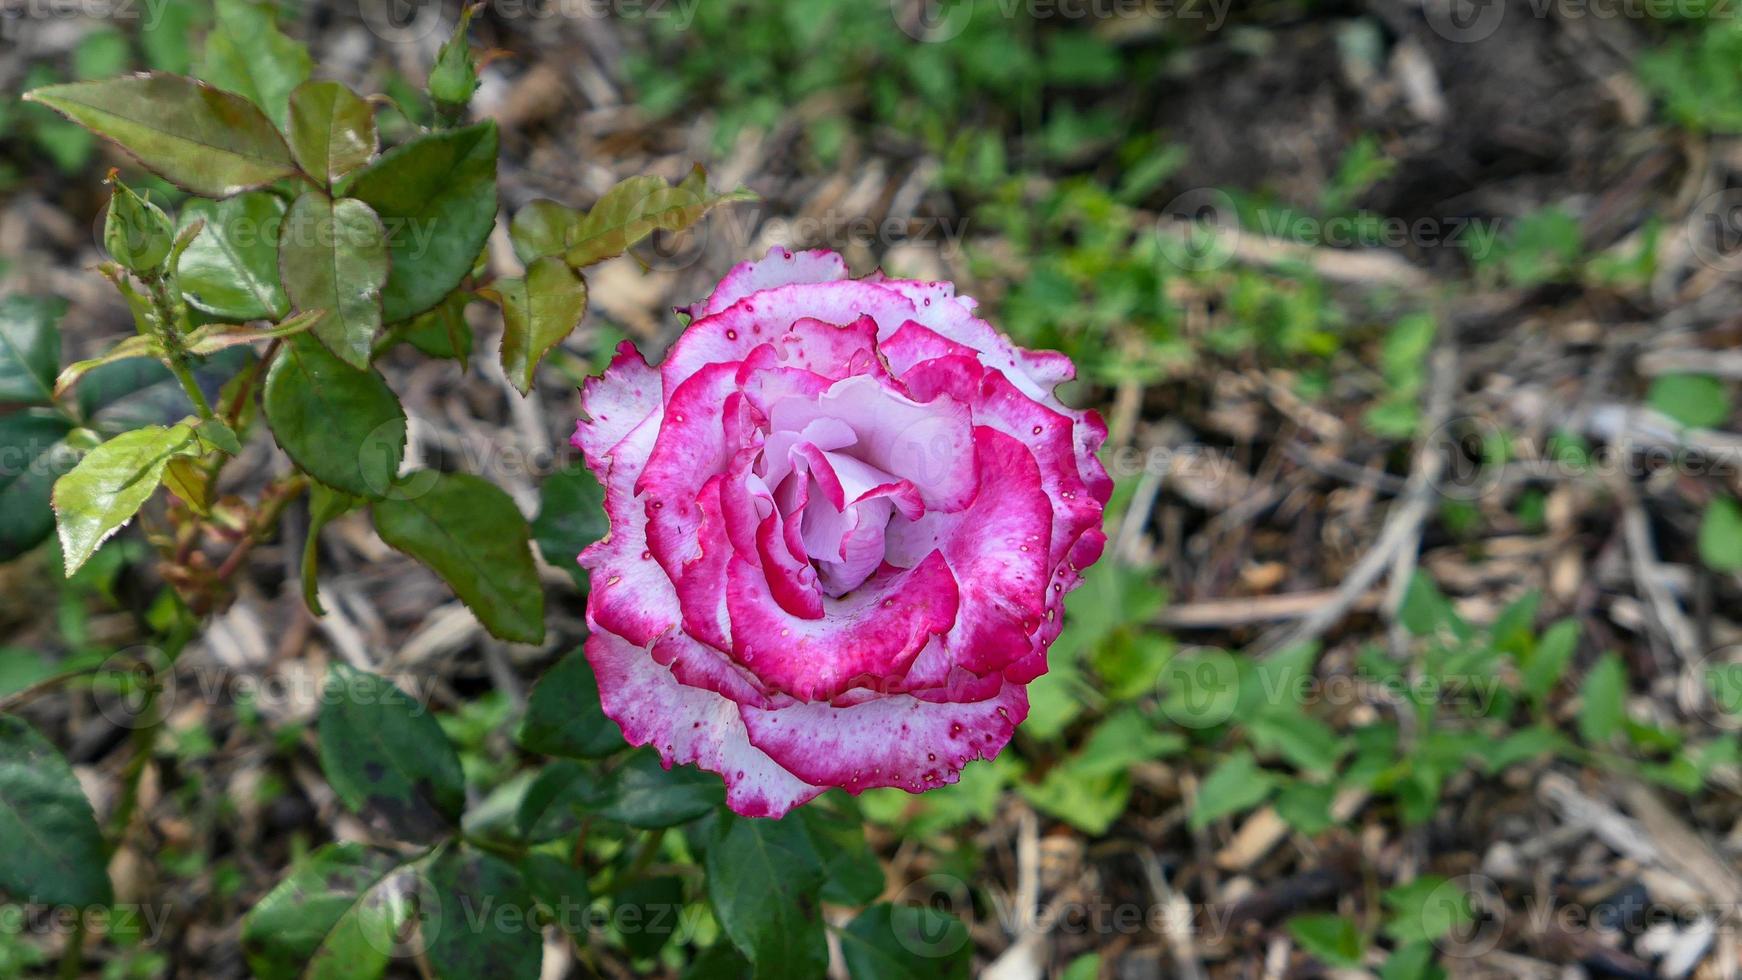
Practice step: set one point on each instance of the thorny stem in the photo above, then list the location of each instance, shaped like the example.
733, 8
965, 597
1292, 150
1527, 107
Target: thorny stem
272, 506
169, 318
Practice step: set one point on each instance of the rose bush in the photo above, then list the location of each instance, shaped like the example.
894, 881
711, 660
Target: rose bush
844, 517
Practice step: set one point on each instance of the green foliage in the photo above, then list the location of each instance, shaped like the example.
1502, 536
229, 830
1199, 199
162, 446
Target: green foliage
388, 759
538, 311
319, 919
763, 879
563, 716
333, 256
1544, 246
230, 269
1334, 940
343, 426
1699, 78
111, 483
204, 140
1720, 535
56, 854
470, 533
29, 348
571, 516
437, 194
1698, 401
905, 942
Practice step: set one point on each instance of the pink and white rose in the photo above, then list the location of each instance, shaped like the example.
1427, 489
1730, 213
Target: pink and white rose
844, 517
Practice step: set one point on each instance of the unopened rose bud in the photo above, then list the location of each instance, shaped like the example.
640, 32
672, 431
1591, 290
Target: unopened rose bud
137, 233
455, 75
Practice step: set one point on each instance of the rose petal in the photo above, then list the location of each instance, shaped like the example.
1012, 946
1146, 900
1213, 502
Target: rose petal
689, 724
778, 268
892, 741
874, 632
616, 402
630, 593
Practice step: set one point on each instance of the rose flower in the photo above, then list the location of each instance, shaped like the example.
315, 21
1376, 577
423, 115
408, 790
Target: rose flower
844, 517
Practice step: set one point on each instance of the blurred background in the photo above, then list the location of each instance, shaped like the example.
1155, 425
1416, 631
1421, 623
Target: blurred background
1417, 648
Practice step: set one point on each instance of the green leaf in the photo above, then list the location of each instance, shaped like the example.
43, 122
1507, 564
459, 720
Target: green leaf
1426, 909
571, 516
469, 531
906, 942
1602, 700
763, 877
54, 852
1236, 785
325, 505
1084, 967
33, 454
1548, 662
1697, 401
556, 800
561, 888
638, 207
131, 347
387, 758
328, 906
1514, 629
543, 228
721, 961
231, 269
647, 913
563, 714
206, 141
1088, 802
1522, 745
342, 426
333, 257
248, 55
214, 337
442, 331
332, 131
481, 923
1721, 535
29, 348
101, 494
1334, 940
642, 793
437, 196
852, 875
1414, 961
1425, 609
1306, 806
1124, 739
537, 313
1306, 742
